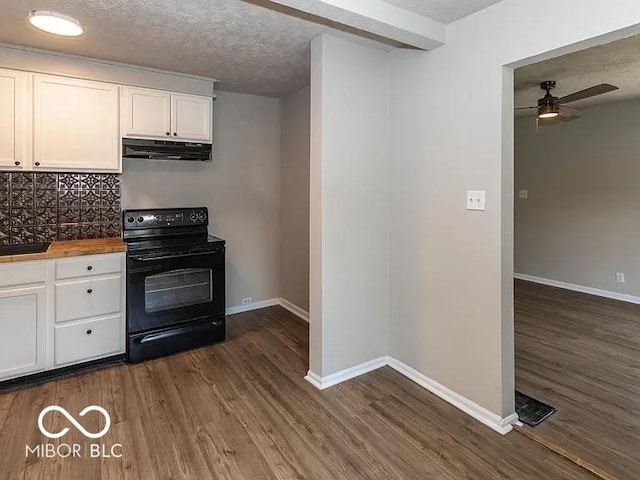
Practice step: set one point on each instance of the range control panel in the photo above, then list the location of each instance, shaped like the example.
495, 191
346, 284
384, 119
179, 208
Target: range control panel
165, 218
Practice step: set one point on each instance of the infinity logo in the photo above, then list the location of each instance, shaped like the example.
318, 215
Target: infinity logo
64, 431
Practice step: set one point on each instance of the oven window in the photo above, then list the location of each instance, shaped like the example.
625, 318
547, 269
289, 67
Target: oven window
178, 288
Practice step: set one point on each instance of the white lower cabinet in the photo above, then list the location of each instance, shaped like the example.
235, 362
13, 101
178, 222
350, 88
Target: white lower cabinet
51, 316
22, 331
89, 339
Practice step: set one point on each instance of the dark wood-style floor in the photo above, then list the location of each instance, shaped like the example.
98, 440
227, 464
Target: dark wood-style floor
581, 354
241, 410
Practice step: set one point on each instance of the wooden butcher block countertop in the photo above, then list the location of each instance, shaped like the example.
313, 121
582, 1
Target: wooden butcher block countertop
71, 248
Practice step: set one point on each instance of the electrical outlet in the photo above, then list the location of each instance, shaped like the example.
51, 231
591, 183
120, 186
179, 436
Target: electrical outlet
475, 200
246, 301
620, 277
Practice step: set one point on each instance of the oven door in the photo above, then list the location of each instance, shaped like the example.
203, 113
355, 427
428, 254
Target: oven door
169, 291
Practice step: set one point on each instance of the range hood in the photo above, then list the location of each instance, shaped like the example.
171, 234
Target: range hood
165, 150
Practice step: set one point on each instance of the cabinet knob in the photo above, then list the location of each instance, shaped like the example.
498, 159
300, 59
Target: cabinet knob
167, 134
37, 164
90, 268
90, 290
175, 134
89, 332
17, 163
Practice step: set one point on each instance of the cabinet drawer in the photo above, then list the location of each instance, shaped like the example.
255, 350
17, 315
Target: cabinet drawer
77, 342
22, 274
88, 266
88, 298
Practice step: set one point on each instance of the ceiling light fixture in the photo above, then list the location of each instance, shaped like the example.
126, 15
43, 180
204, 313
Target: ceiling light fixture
56, 23
548, 111
548, 106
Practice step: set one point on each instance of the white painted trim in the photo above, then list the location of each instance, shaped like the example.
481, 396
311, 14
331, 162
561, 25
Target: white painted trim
293, 308
100, 61
347, 374
623, 297
315, 380
490, 419
253, 306
74, 66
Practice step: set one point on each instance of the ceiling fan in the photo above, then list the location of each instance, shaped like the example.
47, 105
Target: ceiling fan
552, 109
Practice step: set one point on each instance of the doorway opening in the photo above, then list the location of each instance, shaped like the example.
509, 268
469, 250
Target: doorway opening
576, 252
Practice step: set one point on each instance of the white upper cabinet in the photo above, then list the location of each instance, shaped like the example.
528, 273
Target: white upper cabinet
157, 114
75, 125
14, 153
146, 113
191, 117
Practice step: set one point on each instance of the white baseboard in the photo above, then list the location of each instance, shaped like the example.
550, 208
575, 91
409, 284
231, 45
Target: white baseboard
500, 425
623, 297
253, 306
343, 375
293, 308
315, 380
490, 419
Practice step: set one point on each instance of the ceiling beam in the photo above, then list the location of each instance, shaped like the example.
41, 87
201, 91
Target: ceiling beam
376, 17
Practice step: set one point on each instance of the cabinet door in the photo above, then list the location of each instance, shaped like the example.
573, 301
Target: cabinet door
191, 117
76, 125
147, 113
22, 331
14, 100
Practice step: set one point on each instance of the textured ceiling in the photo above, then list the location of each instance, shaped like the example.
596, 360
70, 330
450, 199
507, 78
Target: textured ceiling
247, 47
445, 11
617, 63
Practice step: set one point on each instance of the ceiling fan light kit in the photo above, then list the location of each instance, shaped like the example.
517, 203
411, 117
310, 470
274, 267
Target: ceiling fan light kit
550, 107
548, 111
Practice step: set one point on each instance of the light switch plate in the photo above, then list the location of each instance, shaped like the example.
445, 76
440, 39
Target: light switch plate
524, 194
475, 200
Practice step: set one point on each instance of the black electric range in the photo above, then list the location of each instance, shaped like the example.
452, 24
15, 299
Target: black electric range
175, 282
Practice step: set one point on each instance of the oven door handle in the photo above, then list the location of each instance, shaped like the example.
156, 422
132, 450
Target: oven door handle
171, 257
176, 332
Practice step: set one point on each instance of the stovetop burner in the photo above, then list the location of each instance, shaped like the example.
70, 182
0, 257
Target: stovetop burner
177, 246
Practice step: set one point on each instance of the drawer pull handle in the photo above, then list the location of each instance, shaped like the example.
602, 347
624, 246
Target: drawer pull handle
90, 290
90, 268
89, 332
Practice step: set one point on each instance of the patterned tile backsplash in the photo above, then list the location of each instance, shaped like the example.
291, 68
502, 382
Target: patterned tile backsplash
42, 207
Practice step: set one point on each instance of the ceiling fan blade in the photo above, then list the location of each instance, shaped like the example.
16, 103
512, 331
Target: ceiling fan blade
569, 113
524, 108
588, 93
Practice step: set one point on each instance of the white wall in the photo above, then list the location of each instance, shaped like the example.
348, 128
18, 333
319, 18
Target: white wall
294, 249
580, 222
241, 187
349, 205
451, 131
